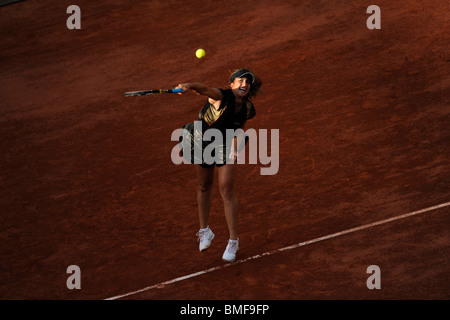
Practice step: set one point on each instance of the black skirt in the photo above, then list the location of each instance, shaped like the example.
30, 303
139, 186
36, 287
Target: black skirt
197, 150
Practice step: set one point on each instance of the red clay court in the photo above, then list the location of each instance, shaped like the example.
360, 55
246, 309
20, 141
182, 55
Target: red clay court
87, 178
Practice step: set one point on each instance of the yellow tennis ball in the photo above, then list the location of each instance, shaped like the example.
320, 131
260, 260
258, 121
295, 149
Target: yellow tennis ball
200, 53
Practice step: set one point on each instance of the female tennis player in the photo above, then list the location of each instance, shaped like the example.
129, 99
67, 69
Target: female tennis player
224, 109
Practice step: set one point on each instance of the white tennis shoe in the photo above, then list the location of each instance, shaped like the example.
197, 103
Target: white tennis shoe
205, 237
230, 252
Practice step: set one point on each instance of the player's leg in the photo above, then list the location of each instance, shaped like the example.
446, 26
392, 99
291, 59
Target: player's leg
205, 179
226, 174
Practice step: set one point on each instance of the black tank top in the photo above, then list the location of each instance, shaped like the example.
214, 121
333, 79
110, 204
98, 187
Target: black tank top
226, 117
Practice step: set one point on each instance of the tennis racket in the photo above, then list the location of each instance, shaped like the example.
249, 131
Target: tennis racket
147, 92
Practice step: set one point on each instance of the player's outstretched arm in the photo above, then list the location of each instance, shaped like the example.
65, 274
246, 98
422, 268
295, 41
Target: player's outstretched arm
200, 88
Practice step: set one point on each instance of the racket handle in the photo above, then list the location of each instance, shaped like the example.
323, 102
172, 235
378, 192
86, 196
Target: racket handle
176, 90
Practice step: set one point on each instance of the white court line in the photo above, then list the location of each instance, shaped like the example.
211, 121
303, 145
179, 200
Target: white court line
269, 253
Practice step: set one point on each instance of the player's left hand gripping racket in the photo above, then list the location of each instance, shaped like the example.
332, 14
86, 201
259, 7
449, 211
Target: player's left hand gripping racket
147, 92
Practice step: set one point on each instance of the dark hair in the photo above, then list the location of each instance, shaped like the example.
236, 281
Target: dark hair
247, 73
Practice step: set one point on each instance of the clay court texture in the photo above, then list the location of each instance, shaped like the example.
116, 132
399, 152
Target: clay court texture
87, 178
